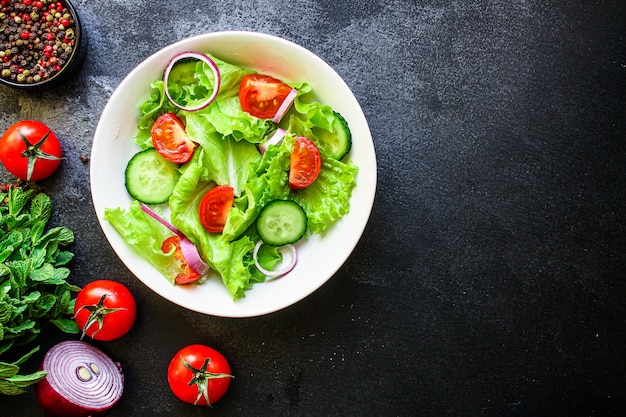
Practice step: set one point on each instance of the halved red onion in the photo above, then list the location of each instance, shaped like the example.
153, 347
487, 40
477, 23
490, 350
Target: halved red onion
279, 272
286, 104
275, 138
81, 381
189, 249
201, 57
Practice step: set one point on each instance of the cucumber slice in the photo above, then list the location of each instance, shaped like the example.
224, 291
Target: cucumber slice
281, 222
150, 178
336, 143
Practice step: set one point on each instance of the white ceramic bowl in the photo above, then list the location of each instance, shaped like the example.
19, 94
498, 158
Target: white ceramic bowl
319, 257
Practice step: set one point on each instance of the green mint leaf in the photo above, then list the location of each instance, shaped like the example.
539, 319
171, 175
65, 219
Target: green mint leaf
9, 388
66, 325
24, 381
41, 207
5, 345
44, 273
62, 258
7, 370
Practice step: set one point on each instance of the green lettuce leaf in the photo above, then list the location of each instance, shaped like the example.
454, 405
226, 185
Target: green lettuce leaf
328, 198
231, 259
145, 235
227, 160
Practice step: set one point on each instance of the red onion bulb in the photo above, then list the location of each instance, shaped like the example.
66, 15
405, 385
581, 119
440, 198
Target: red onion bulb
81, 381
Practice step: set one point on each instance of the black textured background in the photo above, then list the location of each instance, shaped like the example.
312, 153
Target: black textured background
490, 280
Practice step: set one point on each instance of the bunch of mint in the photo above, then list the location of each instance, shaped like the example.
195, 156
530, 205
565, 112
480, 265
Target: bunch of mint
33, 287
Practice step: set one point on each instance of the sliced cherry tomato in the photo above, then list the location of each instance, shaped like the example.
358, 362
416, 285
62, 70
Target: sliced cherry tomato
262, 95
188, 275
105, 310
30, 150
305, 163
214, 207
199, 375
170, 139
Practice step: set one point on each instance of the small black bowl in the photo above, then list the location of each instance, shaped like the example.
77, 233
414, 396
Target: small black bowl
73, 63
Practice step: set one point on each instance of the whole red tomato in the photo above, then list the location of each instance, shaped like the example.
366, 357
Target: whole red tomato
199, 375
30, 150
105, 310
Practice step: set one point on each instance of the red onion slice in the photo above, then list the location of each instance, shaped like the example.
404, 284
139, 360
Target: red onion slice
189, 249
201, 57
275, 138
191, 254
278, 272
81, 381
161, 220
286, 104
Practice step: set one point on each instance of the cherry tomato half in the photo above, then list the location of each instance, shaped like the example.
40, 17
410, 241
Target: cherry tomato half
170, 139
305, 163
208, 379
30, 150
105, 310
188, 275
262, 95
214, 207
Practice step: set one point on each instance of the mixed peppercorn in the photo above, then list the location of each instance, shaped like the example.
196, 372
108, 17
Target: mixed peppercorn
37, 38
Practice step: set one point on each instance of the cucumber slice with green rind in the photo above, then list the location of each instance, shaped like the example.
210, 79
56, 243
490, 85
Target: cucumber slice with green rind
281, 222
336, 143
150, 178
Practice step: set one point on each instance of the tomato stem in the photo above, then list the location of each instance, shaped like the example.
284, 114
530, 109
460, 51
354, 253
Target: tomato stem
96, 315
34, 152
201, 379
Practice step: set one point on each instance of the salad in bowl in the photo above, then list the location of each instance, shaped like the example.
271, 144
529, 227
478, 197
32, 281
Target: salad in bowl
240, 173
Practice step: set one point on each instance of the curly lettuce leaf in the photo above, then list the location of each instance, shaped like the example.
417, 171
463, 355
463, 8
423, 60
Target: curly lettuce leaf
145, 235
226, 160
268, 181
328, 198
231, 259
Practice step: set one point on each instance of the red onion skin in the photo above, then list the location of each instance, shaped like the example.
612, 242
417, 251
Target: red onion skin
55, 405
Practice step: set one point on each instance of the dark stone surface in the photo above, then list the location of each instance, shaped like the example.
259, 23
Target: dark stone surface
490, 280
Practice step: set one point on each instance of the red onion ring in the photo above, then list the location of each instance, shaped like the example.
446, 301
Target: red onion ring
279, 272
81, 381
204, 58
275, 138
285, 105
190, 251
